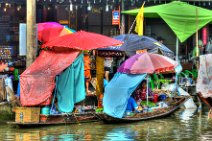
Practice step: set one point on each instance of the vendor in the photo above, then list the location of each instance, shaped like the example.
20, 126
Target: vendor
131, 106
140, 94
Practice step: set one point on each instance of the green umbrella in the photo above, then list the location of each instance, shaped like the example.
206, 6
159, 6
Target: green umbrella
180, 16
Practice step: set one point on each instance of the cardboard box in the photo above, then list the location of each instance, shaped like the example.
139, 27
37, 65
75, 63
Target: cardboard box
27, 114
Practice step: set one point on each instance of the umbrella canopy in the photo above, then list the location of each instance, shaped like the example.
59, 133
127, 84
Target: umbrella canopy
48, 31
180, 16
133, 42
147, 63
82, 40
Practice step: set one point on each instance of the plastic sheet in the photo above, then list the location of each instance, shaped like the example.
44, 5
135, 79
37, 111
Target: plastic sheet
37, 82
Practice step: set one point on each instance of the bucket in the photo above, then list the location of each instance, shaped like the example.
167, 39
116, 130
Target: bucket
162, 97
45, 110
155, 100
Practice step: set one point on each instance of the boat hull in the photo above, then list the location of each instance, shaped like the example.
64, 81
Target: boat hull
163, 112
61, 119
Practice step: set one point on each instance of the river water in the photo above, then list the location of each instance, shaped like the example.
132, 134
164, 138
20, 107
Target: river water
184, 125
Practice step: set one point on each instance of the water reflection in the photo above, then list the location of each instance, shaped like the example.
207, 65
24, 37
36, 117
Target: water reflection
187, 114
121, 134
184, 125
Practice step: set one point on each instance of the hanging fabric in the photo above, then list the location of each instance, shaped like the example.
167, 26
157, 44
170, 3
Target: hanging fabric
70, 86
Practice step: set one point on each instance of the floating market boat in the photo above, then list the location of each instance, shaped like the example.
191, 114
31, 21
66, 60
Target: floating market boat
156, 113
130, 75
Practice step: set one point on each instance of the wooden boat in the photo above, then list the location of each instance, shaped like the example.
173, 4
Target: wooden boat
33, 116
59, 119
162, 112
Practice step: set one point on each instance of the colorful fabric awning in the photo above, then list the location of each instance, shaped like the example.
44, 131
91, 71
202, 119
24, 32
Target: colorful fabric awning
181, 17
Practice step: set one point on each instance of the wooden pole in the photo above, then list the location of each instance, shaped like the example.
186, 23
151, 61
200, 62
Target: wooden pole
177, 49
197, 47
31, 32
122, 29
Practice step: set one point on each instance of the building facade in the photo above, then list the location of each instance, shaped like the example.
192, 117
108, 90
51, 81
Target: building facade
90, 15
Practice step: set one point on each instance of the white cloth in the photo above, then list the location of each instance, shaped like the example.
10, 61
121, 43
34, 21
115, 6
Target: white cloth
204, 80
108, 62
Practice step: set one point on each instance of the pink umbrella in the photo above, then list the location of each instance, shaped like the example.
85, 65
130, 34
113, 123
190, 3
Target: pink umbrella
48, 31
147, 63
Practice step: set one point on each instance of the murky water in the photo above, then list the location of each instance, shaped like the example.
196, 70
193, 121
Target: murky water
184, 125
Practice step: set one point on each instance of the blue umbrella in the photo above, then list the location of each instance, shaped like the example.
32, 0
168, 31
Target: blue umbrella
126, 38
133, 42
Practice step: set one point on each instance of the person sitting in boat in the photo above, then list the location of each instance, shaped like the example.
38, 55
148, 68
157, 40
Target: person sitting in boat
132, 107
140, 94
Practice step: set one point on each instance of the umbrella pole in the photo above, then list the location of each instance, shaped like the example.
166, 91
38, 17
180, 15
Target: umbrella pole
177, 59
147, 87
177, 49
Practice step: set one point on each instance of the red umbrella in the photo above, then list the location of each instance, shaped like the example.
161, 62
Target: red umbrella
48, 31
82, 40
147, 63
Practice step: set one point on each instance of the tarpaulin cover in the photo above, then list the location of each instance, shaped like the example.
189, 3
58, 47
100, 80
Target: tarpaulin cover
38, 80
181, 17
118, 91
70, 85
204, 80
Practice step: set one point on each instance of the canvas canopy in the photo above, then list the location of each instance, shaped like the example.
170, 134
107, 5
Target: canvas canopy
181, 17
118, 91
37, 82
70, 85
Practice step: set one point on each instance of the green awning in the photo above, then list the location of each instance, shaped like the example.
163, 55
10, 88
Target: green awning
181, 17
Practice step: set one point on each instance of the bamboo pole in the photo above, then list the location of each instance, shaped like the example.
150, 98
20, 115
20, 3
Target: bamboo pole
31, 32
197, 48
177, 49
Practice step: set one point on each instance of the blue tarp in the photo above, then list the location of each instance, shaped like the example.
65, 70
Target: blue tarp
118, 91
70, 86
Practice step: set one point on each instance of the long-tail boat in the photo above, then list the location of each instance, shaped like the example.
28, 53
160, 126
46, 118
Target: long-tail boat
174, 104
